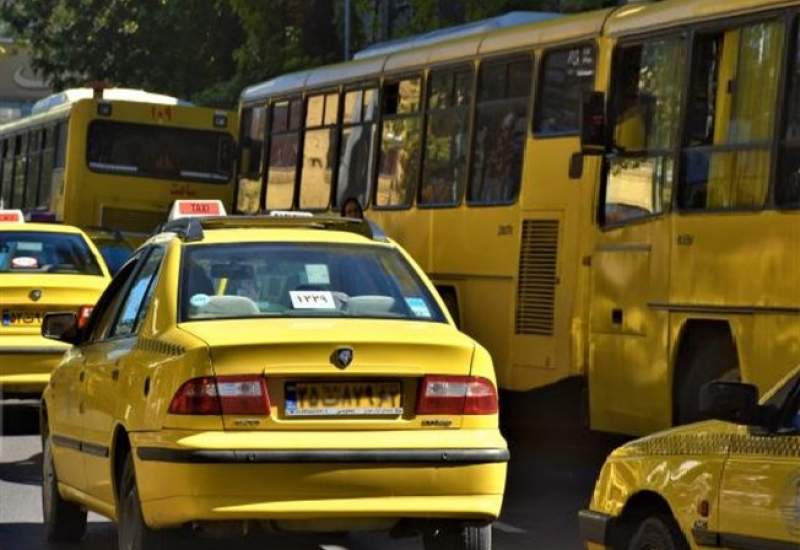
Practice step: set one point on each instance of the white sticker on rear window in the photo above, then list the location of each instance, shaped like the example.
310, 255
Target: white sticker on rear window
317, 274
29, 246
312, 299
200, 300
24, 262
418, 307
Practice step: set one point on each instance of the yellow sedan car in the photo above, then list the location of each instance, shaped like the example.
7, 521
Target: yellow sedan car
730, 484
289, 373
43, 267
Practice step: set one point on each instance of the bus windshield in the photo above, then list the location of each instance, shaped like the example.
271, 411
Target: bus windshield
159, 152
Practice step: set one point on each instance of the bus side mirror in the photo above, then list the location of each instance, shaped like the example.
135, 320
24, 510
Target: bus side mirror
593, 123
731, 402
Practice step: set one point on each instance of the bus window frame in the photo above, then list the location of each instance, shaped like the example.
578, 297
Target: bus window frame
267, 156
377, 121
183, 179
392, 78
790, 53
239, 174
784, 15
508, 58
304, 127
451, 67
539, 85
639, 39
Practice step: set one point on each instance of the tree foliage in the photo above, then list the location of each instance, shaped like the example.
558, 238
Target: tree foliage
208, 50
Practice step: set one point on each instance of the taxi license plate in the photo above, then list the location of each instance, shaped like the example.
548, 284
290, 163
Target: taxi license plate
21, 317
344, 399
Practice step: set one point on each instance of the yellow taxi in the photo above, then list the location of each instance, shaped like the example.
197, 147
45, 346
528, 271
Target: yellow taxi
275, 372
43, 267
728, 483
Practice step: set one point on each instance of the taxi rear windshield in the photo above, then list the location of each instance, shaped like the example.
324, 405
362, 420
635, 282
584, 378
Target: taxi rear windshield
159, 152
282, 280
26, 252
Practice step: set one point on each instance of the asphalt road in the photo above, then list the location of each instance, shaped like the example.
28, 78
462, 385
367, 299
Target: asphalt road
551, 475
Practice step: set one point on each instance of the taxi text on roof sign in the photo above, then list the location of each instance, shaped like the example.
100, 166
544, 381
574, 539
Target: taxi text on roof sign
196, 208
14, 216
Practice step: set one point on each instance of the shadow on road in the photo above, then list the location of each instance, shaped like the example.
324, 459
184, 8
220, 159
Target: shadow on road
26, 472
19, 417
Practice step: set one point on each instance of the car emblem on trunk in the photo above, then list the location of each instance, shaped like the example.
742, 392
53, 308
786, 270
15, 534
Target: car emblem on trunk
35, 295
342, 357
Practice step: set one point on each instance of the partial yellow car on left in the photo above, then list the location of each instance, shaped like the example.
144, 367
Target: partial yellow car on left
43, 268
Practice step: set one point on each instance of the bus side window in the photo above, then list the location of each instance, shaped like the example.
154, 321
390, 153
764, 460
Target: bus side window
401, 136
34, 166
566, 75
357, 150
5, 180
444, 175
501, 122
20, 162
61, 144
727, 152
787, 186
283, 153
646, 101
319, 151
48, 163
252, 144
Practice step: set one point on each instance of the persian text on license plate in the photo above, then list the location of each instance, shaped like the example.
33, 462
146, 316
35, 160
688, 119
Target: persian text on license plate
344, 399
21, 317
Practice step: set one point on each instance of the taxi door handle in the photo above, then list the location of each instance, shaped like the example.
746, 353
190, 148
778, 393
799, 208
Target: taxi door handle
115, 375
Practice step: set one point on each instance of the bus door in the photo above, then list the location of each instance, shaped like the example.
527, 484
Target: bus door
628, 391
732, 249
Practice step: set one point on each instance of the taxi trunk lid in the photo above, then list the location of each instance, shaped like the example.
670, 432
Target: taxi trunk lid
335, 373
26, 297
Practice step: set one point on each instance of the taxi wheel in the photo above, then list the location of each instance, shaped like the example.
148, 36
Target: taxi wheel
459, 537
658, 532
63, 520
133, 532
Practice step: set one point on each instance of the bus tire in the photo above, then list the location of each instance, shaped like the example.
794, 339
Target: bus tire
658, 532
710, 355
459, 536
64, 521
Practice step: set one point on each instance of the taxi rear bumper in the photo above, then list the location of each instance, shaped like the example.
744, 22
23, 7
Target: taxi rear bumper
25, 369
180, 485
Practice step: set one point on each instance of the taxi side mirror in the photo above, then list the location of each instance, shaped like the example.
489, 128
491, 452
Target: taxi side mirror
731, 402
62, 327
593, 123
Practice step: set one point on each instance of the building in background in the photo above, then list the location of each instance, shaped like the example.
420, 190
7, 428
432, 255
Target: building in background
20, 86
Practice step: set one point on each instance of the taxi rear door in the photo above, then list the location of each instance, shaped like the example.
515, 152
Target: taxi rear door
105, 398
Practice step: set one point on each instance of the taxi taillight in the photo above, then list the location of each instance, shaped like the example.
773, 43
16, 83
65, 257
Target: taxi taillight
84, 313
456, 395
222, 395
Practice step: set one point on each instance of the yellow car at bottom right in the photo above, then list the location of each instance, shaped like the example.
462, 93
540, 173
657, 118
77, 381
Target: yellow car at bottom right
733, 482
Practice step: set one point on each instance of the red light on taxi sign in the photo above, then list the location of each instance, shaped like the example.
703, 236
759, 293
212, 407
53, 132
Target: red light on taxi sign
14, 216
196, 208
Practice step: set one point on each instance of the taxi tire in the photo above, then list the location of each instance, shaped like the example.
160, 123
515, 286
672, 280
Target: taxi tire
132, 531
66, 521
459, 537
658, 532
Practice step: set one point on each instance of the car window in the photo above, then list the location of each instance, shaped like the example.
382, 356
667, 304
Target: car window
115, 254
138, 296
103, 314
291, 280
31, 252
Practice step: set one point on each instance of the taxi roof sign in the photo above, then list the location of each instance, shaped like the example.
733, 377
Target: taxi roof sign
196, 208
14, 216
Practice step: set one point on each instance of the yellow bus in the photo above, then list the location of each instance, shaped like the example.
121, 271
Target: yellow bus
665, 262
115, 158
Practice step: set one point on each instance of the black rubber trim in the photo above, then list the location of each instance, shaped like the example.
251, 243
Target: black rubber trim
739, 542
398, 456
704, 537
81, 446
595, 526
